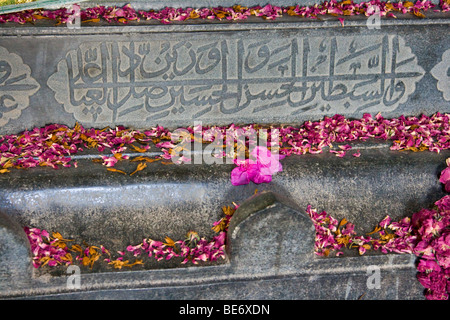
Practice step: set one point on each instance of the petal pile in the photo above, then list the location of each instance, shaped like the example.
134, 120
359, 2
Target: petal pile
54, 145
55, 251
127, 13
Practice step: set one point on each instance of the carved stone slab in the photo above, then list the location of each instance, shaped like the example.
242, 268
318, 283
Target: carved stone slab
174, 75
115, 82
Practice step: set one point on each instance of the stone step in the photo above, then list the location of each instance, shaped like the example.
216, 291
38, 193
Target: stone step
162, 200
287, 71
263, 261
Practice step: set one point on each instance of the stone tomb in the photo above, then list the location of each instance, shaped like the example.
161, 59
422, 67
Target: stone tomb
286, 71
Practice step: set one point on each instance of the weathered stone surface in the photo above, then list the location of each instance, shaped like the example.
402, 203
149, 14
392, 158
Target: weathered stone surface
111, 209
15, 255
332, 278
169, 200
141, 75
266, 232
104, 208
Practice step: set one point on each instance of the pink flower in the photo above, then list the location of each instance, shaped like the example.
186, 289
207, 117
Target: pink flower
385, 222
259, 168
345, 147
436, 284
135, 249
362, 250
443, 204
425, 249
419, 217
243, 173
447, 186
339, 154
109, 161
431, 228
426, 265
443, 261
166, 144
442, 244
445, 175
349, 229
269, 162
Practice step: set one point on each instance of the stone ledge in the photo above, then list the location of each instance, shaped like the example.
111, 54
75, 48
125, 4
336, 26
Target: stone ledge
333, 278
362, 190
369, 187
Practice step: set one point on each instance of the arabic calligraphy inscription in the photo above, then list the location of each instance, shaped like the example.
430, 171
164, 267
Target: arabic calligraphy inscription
150, 80
441, 72
16, 86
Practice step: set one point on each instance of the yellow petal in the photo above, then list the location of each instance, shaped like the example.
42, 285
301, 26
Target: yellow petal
169, 242
116, 170
58, 236
140, 166
377, 228
92, 20
76, 248
85, 261
343, 222
228, 210
146, 159
138, 149
126, 264
219, 227
118, 156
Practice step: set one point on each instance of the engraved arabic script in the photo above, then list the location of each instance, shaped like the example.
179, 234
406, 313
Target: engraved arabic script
16, 86
150, 80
